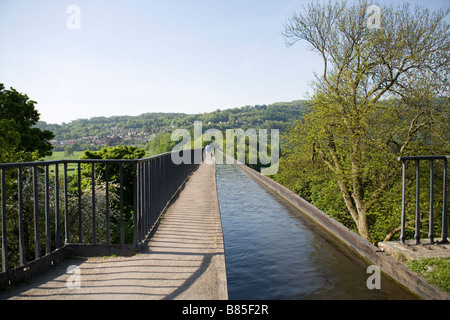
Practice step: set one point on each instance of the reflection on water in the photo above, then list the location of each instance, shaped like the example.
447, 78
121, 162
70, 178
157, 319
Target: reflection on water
273, 252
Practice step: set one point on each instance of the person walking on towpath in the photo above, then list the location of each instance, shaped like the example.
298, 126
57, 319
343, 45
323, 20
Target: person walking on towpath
209, 153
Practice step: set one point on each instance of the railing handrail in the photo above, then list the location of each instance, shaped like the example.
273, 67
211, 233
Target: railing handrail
431, 159
437, 157
63, 161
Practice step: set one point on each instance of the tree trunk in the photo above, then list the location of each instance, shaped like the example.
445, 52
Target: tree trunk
363, 225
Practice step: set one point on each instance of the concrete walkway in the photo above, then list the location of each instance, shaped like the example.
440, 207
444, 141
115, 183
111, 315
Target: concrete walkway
183, 260
410, 250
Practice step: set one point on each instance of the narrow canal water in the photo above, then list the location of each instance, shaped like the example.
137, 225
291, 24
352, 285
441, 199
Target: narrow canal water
273, 251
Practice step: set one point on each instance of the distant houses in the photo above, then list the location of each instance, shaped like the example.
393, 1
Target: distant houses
117, 136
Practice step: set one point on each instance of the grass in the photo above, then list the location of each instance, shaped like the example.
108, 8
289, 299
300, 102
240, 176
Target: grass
72, 168
435, 270
60, 155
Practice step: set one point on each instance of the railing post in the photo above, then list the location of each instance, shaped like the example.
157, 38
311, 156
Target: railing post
107, 203
20, 200
444, 205
159, 185
142, 200
431, 218
57, 231
153, 189
417, 222
66, 206
403, 217
146, 215
37, 242
80, 225
48, 244
122, 236
5, 262
136, 221
94, 229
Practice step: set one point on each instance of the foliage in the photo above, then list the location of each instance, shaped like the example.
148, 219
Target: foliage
100, 213
435, 270
118, 152
156, 126
381, 95
19, 139
161, 144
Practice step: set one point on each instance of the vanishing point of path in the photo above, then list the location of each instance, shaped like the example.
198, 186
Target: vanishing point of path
183, 260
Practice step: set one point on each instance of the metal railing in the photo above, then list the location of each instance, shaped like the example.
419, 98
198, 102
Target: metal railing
48, 205
417, 222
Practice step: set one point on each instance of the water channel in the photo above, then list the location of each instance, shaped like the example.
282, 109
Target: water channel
273, 251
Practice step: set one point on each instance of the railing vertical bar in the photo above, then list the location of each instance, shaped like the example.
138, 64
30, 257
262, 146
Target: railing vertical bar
145, 192
165, 182
80, 225
66, 206
444, 204
57, 231
431, 218
48, 244
107, 203
136, 215
22, 260
37, 241
157, 186
153, 188
161, 185
142, 199
149, 220
122, 236
94, 231
5, 262
148, 193
173, 169
403, 217
173, 173
139, 199
150, 189
138, 203
417, 222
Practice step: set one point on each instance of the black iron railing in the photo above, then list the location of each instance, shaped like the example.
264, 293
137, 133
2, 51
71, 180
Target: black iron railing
48, 205
431, 219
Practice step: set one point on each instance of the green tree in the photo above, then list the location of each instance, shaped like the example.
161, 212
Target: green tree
161, 144
380, 95
68, 151
118, 152
19, 139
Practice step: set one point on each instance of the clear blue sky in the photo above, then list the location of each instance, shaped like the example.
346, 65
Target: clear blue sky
131, 57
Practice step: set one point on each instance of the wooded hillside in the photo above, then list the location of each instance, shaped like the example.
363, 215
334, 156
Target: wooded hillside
99, 132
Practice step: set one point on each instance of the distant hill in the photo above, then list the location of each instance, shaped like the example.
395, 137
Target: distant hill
98, 132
